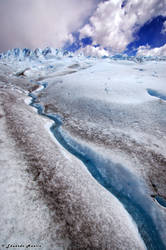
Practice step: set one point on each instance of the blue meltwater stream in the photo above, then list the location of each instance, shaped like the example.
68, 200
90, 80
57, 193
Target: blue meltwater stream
118, 180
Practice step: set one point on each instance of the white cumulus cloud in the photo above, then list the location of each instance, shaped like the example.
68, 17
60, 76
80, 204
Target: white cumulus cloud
113, 27
147, 51
93, 51
163, 31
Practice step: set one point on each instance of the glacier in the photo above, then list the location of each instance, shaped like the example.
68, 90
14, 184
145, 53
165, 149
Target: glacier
110, 114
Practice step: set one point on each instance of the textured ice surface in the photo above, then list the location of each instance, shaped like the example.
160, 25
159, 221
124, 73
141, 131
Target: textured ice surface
89, 215
106, 106
107, 103
24, 217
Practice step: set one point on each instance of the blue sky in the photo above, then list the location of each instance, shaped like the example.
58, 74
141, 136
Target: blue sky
93, 27
150, 33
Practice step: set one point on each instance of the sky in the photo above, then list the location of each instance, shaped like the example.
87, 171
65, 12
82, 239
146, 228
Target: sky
92, 27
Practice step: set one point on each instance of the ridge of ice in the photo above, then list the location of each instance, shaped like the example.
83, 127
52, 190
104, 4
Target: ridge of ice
20, 54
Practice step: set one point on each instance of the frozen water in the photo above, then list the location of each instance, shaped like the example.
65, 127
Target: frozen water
108, 105
158, 94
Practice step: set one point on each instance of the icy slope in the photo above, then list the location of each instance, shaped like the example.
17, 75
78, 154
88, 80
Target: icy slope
113, 113
88, 214
24, 217
116, 115
109, 102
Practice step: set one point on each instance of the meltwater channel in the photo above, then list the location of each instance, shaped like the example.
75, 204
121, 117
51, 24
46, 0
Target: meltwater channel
128, 188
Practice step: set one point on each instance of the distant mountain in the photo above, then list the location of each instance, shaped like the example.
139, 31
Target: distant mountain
48, 53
